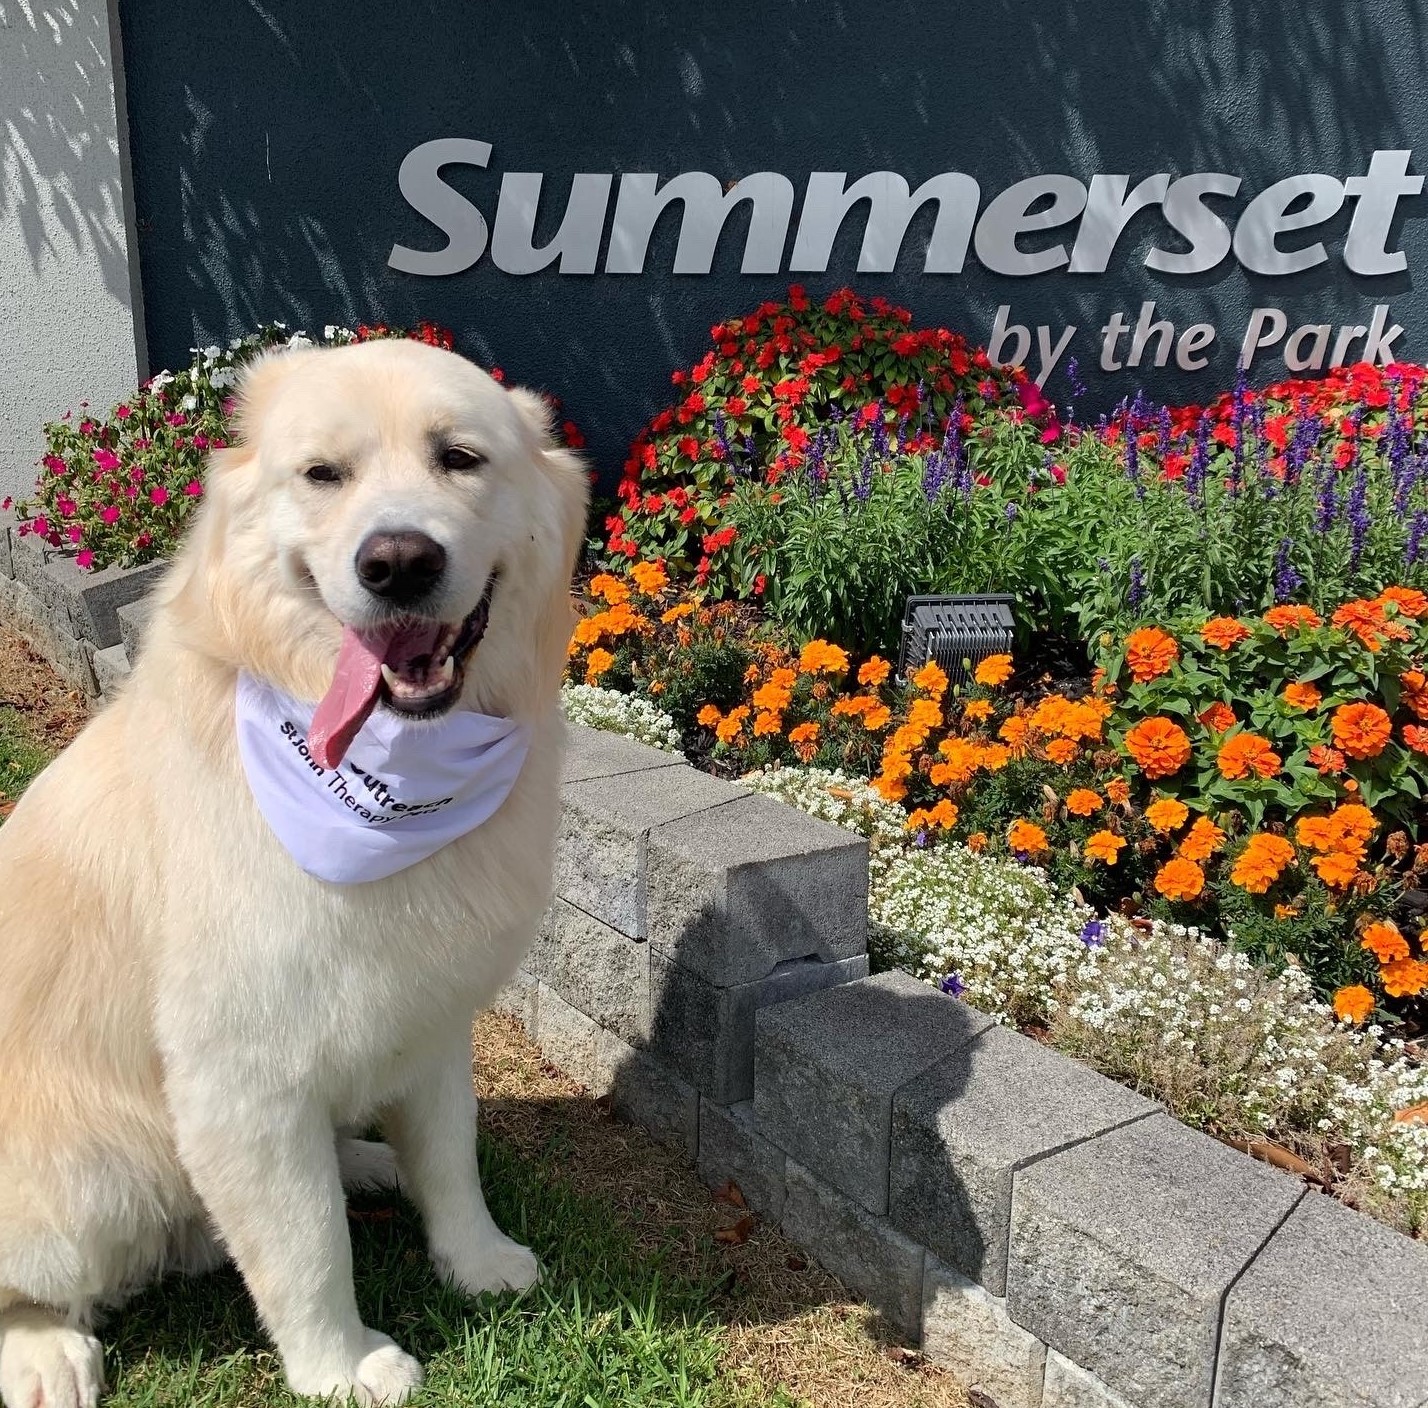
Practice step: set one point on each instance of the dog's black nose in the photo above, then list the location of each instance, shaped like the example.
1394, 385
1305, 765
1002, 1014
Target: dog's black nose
402, 567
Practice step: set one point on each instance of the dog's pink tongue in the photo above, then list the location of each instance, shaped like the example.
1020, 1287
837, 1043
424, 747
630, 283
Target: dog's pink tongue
350, 698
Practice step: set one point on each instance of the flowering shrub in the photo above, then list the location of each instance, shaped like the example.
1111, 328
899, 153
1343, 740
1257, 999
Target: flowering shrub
765, 398
627, 714
117, 489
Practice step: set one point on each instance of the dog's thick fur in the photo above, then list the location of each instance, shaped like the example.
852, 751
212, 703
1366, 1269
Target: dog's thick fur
187, 1019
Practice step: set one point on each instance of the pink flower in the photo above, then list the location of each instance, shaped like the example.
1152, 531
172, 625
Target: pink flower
142, 444
159, 495
193, 488
143, 540
76, 533
66, 506
200, 442
85, 560
1052, 433
123, 412
229, 403
1032, 401
176, 418
106, 459
136, 475
109, 513
54, 464
6, 504
41, 526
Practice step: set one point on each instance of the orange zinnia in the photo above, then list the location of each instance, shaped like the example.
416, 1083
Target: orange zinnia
1247, 753
1223, 632
1406, 978
1287, 618
994, 670
1368, 621
1353, 1004
1026, 837
1261, 862
1327, 760
1159, 746
1150, 653
1081, 801
1383, 939
1415, 691
1202, 840
1362, 730
1180, 879
1416, 737
1302, 696
1104, 846
1409, 600
1166, 814
874, 671
1218, 717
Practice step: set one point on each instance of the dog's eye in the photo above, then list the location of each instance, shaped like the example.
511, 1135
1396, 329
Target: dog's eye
324, 474
454, 457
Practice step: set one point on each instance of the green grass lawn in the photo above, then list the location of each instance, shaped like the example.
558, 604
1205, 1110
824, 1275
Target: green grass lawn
20, 758
609, 1327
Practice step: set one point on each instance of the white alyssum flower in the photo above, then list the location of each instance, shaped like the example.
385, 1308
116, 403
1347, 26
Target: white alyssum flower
614, 712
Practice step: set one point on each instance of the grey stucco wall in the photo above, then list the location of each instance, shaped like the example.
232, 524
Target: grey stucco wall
68, 277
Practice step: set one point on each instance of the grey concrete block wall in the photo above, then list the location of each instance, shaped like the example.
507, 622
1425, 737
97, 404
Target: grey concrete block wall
595, 968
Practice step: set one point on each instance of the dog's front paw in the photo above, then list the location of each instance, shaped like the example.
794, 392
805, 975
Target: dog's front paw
384, 1374
497, 1265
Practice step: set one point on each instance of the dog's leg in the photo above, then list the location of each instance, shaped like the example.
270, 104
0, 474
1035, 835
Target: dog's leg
433, 1130
46, 1362
269, 1177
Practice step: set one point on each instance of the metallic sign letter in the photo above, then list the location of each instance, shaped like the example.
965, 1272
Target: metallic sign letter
1267, 216
1209, 236
578, 240
1010, 215
1365, 249
419, 179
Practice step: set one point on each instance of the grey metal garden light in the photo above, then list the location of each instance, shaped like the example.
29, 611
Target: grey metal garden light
956, 631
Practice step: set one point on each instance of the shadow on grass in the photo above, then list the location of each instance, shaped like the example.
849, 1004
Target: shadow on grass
611, 1324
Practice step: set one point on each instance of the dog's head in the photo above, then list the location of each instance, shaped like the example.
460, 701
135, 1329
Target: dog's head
392, 528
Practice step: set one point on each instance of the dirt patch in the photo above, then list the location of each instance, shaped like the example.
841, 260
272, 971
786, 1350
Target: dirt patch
50, 711
787, 1323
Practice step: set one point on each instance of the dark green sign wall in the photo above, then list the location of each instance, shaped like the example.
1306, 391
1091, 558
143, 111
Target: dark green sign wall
267, 141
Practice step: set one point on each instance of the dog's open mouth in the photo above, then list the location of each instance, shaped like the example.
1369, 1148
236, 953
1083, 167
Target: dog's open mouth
413, 666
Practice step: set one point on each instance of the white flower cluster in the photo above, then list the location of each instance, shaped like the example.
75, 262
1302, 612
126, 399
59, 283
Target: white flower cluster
1162, 1008
614, 712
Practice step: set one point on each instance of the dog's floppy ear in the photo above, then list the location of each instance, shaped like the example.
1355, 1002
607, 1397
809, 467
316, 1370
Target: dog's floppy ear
538, 414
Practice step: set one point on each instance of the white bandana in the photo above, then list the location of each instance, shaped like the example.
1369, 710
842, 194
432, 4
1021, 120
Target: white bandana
406, 788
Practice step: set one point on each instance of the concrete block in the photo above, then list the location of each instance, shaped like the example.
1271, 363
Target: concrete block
968, 1332
826, 1069
600, 854
1333, 1312
706, 1033
26, 614
28, 555
132, 619
1122, 1249
111, 669
1068, 1385
732, 1151
962, 1128
571, 1041
594, 752
731, 893
596, 968
866, 1253
645, 1093
520, 998
7, 521
92, 598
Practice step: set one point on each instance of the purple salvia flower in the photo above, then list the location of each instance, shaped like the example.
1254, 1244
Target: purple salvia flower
1199, 470
1136, 595
1417, 531
1286, 580
1359, 521
880, 432
1326, 501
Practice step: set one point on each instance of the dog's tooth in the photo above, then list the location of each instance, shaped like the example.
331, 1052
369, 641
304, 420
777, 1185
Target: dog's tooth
447, 673
390, 676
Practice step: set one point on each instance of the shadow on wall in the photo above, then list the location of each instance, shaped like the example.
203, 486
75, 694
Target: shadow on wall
267, 183
61, 189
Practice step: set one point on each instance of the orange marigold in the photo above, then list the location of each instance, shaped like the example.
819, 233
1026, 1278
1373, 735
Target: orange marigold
1218, 717
1179, 879
821, 657
1081, 801
1261, 862
1223, 632
1409, 600
976, 710
876, 718
1118, 790
993, 756
925, 714
852, 704
767, 722
1104, 846
1013, 732
932, 678
994, 670
1336, 869
650, 577
977, 841
675, 612
1302, 696
874, 671
944, 815
1150, 653
708, 716
1159, 746
1383, 939
1026, 837
1353, 1004
1061, 751
962, 759
1362, 730
1165, 814
731, 724
1288, 618
1202, 840
596, 663
609, 589
772, 696
1406, 978
1247, 753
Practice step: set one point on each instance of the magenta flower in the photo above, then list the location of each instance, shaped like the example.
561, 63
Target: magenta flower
54, 464
193, 488
76, 533
159, 496
66, 506
176, 418
41, 526
1032, 401
123, 412
85, 559
106, 459
109, 513
200, 442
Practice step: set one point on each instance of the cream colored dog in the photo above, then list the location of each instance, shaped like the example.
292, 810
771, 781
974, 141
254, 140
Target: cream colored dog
187, 1019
